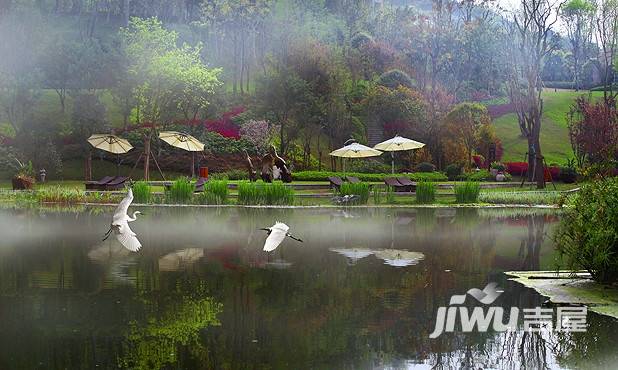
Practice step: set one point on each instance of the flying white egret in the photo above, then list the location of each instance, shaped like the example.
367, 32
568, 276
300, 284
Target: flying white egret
276, 234
120, 224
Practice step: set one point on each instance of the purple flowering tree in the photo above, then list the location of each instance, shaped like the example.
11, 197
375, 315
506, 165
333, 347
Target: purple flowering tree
258, 133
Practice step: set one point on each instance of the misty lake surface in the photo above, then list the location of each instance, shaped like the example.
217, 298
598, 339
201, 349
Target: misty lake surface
361, 292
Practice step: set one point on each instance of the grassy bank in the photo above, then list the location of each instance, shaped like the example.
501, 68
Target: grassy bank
554, 132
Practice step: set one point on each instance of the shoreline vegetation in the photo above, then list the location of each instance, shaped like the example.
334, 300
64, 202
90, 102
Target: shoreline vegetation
244, 193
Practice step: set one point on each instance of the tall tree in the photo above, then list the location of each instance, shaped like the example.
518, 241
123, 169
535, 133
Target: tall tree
166, 77
578, 19
531, 27
607, 39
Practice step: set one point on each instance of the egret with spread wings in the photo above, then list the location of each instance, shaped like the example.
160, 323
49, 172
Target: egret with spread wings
276, 234
120, 224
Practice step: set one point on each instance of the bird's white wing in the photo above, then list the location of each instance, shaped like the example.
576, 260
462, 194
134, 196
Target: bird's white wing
127, 237
123, 206
276, 236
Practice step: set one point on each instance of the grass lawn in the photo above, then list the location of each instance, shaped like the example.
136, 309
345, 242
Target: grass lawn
554, 132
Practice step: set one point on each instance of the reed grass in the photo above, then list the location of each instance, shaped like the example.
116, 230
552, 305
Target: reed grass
180, 192
142, 192
259, 193
215, 192
59, 194
390, 195
360, 189
377, 195
468, 192
425, 192
278, 194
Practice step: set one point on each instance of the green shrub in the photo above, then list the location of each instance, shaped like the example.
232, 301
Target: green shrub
215, 192
180, 192
235, 174
395, 77
453, 171
425, 167
568, 174
361, 189
481, 175
425, 192
367, 177
467, 192
498, 166
587, 237
142, 192
259, 193
367, 166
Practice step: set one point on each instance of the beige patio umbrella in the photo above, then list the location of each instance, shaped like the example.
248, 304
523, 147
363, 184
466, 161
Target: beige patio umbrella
397, 144
185, 142
111, 143
355, 150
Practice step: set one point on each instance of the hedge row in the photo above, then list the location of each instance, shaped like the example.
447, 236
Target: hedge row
376, 177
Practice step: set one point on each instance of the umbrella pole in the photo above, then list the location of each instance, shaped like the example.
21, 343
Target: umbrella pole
192, 164
393, 162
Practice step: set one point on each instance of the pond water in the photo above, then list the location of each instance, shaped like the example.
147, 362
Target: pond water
201, 293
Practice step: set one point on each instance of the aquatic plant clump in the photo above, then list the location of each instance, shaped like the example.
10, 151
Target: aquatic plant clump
142, 192
215, 192
180, 192
259, 193
467, 192
587, 237
360, 189
58, 194
425, 192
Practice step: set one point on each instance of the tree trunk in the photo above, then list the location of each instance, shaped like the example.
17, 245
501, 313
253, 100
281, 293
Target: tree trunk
147, 157
540, 167
88, 167
531, 159
126, 9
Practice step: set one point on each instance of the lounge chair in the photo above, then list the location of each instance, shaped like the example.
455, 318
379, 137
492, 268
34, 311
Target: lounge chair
335, 182
199, 184
98, 185
116, 184
407, 182
396, 185
352, 179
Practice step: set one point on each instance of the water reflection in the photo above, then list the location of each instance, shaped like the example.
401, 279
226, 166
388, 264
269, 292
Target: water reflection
202, 294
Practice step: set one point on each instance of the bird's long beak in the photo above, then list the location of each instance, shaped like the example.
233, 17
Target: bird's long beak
295, 238
265, 229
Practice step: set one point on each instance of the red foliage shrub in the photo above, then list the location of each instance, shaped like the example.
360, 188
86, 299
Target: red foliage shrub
517, 168
224, 126
554, 171
479, 161
593, 129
